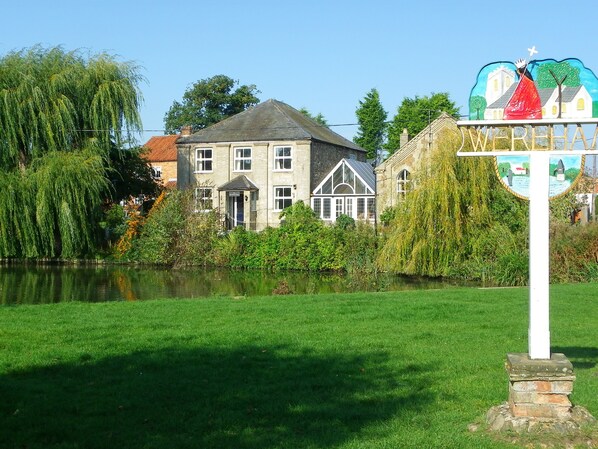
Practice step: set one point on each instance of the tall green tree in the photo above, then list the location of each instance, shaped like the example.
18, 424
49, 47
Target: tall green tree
209, 101
61, 114
414, 114
371, 118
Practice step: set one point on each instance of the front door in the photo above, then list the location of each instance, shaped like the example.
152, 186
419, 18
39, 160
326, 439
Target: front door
235, 208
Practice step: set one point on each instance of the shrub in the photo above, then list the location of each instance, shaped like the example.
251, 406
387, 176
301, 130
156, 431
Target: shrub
573, 252
159, 234
388, 215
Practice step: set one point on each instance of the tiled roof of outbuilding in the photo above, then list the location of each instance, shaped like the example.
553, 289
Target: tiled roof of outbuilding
270, 120
161, 149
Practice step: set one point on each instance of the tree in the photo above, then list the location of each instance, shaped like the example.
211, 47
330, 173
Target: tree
553, 74
61, 116
54, 100
319, 118
130, 174
414, 114
209, 101
456, 216
477, 107
371, 118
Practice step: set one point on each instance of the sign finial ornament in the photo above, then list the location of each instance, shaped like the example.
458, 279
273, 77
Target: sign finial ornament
532, 51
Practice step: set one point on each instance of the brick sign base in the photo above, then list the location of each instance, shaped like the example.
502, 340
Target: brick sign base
538, 397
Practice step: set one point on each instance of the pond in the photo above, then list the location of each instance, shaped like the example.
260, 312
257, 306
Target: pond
41, 284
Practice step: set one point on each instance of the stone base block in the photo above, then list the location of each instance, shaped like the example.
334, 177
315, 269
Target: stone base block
500, 418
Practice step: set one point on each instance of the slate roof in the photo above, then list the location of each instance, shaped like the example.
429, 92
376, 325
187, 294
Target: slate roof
545, 94
364, 170
161, 149
240, 183
443, 121
270, 120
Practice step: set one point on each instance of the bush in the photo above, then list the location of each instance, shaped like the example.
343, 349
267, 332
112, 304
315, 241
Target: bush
388, 215
302, 242
159, 234
573, 252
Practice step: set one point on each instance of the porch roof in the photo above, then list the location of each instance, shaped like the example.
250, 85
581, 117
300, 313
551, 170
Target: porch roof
240, 183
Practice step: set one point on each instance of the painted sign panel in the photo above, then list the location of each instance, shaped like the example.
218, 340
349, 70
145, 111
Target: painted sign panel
536, 90
513, 171
539, 89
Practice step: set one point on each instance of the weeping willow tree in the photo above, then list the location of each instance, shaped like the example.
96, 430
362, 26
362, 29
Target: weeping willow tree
452, 215
60, 115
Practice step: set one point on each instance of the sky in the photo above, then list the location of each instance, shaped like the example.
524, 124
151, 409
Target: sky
318, 54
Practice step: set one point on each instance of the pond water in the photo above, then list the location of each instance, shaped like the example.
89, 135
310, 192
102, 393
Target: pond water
41, 284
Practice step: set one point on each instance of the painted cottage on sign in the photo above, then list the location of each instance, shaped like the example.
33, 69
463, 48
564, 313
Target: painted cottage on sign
575, 102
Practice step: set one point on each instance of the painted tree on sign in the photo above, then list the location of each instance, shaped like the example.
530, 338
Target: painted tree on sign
553, 74
477, 107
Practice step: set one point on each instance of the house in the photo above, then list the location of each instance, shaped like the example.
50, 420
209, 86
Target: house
394, 175
349, 189
162, 157
256, 163
574, 102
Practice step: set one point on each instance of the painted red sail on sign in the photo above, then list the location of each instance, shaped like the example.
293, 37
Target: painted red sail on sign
525, 102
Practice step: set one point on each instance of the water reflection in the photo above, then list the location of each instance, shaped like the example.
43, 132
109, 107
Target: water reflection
49, 284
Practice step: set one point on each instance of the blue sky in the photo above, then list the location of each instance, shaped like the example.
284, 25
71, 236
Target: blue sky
322, 55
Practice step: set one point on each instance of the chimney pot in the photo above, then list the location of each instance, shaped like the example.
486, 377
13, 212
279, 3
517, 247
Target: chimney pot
404, 138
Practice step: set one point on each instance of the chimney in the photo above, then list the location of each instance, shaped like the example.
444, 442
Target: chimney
404, 138
186, 130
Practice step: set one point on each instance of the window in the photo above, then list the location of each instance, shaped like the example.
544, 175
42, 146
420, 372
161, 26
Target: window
360, 208
581, 105
282, 197
203, 159
253, 201
282, 158
157, 172
403, 183
326, 208
371, 208
339, 207
349, 207
203, 199
317, 206
242, 159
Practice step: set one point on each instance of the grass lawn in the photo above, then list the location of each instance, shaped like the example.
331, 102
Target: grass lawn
407, 369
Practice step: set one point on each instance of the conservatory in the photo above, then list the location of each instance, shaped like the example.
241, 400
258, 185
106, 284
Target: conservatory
349, 189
